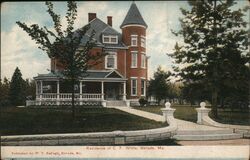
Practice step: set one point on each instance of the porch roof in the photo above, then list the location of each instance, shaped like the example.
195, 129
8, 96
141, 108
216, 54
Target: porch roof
90, 75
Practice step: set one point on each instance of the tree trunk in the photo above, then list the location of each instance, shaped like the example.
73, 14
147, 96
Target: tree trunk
214, 102
215, 71
73, 98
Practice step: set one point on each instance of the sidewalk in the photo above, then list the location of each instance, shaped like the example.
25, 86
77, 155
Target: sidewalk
182, 125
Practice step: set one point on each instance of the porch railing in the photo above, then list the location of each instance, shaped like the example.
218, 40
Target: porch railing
68, 96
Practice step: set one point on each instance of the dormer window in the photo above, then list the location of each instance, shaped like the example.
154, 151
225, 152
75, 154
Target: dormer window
110, 39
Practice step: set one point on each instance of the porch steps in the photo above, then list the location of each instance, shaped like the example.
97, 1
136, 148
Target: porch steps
116, 104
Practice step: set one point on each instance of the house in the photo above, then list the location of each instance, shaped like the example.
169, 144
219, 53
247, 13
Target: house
120, 78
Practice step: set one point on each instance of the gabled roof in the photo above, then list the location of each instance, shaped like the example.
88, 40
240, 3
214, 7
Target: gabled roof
100, 29
133, 17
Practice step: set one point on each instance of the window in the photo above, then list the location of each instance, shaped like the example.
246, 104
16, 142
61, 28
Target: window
143, 87
143, 41
133, 40
134, 87
110, 61
143, 60
134, 59
110, 39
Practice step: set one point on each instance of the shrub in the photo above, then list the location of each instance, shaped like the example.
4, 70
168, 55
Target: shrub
143, 102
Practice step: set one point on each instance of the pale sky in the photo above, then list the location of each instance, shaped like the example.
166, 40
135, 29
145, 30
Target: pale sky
18, 50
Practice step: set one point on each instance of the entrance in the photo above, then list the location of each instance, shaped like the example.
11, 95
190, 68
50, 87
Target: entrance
112, 91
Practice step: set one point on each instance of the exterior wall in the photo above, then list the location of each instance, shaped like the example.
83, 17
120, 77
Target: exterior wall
138, 72
121, 61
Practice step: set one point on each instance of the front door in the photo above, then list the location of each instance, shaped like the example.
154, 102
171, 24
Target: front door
112, 91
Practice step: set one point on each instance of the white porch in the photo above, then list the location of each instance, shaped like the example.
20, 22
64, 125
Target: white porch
51, 89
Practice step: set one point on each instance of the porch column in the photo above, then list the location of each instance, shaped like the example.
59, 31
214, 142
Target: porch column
124, 90
41, 92
36, 90
102, 90
58, 93
41, 89
80, 93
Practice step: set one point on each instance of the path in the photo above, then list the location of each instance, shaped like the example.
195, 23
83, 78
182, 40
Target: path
182, 125
189, 130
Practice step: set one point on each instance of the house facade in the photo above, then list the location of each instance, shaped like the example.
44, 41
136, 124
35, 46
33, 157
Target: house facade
120, 78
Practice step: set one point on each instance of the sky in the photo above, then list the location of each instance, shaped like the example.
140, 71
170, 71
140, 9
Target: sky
18, 50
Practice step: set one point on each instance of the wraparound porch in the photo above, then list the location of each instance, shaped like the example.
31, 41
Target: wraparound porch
98, 87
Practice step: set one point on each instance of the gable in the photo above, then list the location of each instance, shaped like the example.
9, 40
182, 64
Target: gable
113, 74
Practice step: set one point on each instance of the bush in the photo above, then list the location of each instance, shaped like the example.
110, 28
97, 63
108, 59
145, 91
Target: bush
143, 102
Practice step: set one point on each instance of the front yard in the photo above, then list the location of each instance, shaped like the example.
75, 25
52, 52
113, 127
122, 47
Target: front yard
20, 121
189, 113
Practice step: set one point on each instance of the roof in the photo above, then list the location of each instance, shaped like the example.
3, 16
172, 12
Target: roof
100, 29
133, 17
89, 75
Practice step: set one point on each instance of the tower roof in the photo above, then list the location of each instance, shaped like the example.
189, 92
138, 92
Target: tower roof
133, 17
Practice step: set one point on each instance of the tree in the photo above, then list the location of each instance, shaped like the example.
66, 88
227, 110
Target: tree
30, 89
4, 92
214, 49
17, 86
158, 86
65, 46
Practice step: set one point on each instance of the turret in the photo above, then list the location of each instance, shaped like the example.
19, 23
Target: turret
134, 36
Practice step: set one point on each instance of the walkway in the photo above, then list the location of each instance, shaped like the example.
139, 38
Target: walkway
182, 125
189, 130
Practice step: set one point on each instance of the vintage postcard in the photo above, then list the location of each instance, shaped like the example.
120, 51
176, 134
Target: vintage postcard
125, 80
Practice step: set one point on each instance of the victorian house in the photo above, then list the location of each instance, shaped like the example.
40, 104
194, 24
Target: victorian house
120, 78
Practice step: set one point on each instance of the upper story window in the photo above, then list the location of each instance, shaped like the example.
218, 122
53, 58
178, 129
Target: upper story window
143, 41
111, 61
143, 60
134, 40
111, 39
134, 59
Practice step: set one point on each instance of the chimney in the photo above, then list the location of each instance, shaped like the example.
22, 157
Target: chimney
109, 20
92, 16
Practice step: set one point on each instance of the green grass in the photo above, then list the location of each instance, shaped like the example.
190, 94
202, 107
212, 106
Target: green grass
189, 113
19, 121
232, 117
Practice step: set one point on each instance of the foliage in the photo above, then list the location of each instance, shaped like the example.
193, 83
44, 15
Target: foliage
194, 93
4, 92
17, 89
214, 51
30, 89
67, 46
158, 86
143, 102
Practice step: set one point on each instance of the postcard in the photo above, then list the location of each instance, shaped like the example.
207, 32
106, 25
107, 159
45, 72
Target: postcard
125, 80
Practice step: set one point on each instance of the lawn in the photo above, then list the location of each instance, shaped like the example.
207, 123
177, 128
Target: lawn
19, 121
189, 113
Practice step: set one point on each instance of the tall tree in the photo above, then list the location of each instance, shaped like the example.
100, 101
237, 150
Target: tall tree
214, 49
65, 46
4, 92
17, 86
158, 86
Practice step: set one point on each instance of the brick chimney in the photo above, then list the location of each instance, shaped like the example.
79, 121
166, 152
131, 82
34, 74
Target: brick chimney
92, 16
109, 20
